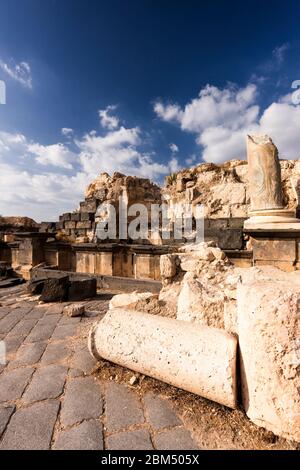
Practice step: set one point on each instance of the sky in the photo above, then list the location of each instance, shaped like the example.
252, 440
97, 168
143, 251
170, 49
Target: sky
137, 86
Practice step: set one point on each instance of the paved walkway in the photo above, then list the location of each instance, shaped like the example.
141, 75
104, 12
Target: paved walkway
50, 397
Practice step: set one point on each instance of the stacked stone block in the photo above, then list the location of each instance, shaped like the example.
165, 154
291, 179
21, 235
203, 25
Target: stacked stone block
80, 223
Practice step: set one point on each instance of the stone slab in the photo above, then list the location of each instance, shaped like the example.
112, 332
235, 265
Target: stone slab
130, 440
128, 411
13, 383
31, 428
160, 412
175, 439
28, 354
5, 414
86, 436
47, 382
82, 401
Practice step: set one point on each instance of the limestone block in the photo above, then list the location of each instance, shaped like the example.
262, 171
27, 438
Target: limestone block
280, 249
70, 224
201, 302
168, 266
129, 300
196, 358
74, 310
269, 338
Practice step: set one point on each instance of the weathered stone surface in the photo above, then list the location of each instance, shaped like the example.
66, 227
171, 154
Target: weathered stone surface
196, 358
130, 440
264, 173
55, 289
86, 436
82, 362
127, 412
41, 332
82, 400
56, 352
168, 266
47, 382
272, 250
201, 301
31, 428
13, 383
74, 310
9, 321
64, 331
129, 300
175, 439
35, 287
23, 327
82, 289
269, 332
28, 354
5, 414
159, 412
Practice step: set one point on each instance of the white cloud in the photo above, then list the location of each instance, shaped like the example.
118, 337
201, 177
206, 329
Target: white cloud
169, 112
33, 180
221, 119
174, 148
107, 121
20, 72
57, 155
67, 131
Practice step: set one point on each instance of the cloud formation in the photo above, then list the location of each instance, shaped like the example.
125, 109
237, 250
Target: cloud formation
106, 120
20, 72
221, 118
43, 181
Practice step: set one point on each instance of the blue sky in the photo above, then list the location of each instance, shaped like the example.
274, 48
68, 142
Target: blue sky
142, 87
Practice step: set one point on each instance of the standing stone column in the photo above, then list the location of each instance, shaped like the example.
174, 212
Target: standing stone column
265, 185
264, 173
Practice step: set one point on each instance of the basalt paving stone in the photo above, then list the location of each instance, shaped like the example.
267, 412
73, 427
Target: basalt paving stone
50, 319
55, 352
9, 321
82, 362
55, 309
86, 436
64, 331
175, 439
28, 354
4, 311
47, 382
31, 428
13, 383
23, 327
160, 412
36, 312
5, 414
82, 400
130, 440
69, 320
41, 332
13, 343
123, 407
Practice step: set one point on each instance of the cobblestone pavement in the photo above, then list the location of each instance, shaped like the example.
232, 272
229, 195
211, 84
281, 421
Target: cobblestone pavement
49, 397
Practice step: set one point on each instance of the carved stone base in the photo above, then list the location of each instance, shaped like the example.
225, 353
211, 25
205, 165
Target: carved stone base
272, 218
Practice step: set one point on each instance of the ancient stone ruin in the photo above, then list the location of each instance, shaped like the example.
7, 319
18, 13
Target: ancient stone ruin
218, 318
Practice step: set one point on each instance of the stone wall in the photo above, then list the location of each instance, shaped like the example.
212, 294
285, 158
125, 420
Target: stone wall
81, 224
